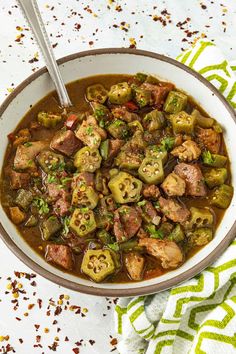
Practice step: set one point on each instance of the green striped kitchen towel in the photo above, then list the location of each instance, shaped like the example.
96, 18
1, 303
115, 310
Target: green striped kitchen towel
199, 315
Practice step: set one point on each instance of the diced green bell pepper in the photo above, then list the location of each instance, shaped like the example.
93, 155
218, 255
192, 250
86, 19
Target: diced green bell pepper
222, 196
200, 217
104, 149
24, 198
142, 96
200, 237
82, 222
183, 122
213, 160
125, 188
203, 122
87, 159
50, 227
120, 93
98, 264
50, 161
215, 177
96, 93
118, 129
154, 120
151, 170
176, 101
49, 120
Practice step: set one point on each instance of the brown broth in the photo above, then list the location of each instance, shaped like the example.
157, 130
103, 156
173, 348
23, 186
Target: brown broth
50, 103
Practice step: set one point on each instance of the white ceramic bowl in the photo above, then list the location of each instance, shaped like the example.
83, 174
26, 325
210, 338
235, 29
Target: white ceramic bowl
121, 61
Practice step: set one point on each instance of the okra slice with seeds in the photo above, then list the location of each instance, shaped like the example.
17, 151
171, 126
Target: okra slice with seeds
82, 221
151, 170
96, 93
154, 120
222, 196
98, 264
125, 188
50, 161
200, 237
85, 196
215, 177
49, 120
87, 159
156, 152
176, 101
200, 217
183, 122
120, 93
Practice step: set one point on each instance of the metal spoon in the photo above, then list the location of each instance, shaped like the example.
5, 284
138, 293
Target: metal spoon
32, 14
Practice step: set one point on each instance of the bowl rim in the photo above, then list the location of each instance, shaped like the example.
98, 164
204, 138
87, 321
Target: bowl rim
149, 289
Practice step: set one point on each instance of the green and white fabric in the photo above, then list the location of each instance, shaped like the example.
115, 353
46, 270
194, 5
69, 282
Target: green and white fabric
198, 316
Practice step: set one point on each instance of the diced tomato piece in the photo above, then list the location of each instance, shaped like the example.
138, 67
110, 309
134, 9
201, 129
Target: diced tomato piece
131, 106
71, 121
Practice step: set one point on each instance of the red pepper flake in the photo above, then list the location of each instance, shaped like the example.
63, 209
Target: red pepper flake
48, 313
54, 322
54, 346
91, 341
77, 26
75, 350
30, 306
37, 327
204, 7
113, 341
54, 45
66, 339
91, 42
58, 311
33, 283
18, 318
40, 301
21, 340
38, 339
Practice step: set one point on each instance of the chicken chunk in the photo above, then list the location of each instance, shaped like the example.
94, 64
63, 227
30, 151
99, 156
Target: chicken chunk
193, 177
174, 185
168, 252
210, 139
17, 216
188, 151
60, 255
151, 191
25, 154
127, 222
174, 210
123, 114
65, 142
134, 263
90, 133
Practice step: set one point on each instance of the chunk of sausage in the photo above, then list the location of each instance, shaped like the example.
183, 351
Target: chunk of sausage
90, 133
174, 185
127, 221
159, 92
25, 154
149, 209
60, 255
168, 252
151, 191
19, 179
123, 114
173, 210
134, 263
193, 177
65, 142
62, 207
210, 139
188, 151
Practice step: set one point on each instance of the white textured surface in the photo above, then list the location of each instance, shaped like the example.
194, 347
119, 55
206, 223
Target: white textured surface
15, 66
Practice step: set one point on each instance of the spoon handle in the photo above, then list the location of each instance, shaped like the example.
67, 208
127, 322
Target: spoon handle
32, 14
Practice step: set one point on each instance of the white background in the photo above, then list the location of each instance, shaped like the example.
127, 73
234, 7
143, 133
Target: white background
97, 20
